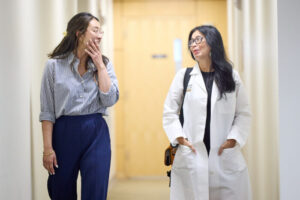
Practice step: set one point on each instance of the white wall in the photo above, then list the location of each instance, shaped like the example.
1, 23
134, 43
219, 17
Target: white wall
15, 159
289, 96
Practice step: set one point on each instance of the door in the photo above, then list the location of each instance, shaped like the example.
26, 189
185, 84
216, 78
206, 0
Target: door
146, 31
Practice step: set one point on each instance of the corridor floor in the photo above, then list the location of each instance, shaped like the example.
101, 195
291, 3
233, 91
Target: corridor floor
139, 189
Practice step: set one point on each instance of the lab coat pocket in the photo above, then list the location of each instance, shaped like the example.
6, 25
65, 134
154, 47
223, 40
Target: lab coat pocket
185, 149
232, 160
184, 158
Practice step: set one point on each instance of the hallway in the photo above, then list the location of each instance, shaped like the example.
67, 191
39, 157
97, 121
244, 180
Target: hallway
139, 188
140, 37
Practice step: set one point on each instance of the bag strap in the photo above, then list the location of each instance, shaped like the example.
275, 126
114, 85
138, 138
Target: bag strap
186, 80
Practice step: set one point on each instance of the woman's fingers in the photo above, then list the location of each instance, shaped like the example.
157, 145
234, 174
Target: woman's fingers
97, 45
55, 162
220, 150
49, 162
47, 165
94, 45
89, 52
51, 169
193, 149
185, 142
180, 140
188, 144
222, 147
230, 143
90, 48
93, 50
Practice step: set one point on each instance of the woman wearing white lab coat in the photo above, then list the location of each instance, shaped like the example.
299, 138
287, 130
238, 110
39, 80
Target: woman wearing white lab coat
208, 164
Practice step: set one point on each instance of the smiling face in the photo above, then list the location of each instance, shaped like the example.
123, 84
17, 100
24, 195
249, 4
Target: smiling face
198, 46
93, 32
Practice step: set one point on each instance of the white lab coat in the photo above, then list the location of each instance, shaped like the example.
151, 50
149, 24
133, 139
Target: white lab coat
195, 176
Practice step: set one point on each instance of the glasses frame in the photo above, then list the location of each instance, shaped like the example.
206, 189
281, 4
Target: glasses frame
98, 31
197, 40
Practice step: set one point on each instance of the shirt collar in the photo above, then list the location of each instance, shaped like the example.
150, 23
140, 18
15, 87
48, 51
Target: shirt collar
91, 65
71, 58
74, 61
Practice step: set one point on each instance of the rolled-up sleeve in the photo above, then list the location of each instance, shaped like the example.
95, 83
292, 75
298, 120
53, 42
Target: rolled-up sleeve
47, 94
111, 97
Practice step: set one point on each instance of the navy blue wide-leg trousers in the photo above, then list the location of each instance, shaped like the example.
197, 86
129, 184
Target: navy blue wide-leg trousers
81, 143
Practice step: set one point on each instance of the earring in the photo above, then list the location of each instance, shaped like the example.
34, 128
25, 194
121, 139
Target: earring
210, 54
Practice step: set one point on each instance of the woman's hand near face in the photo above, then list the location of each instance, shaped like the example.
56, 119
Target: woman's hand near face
183, 141
93, 50
227, 144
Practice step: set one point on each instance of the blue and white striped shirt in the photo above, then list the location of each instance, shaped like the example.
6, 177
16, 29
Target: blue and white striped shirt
65, 92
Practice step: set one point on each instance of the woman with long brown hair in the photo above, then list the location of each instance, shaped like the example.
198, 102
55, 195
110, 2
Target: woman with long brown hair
78, 85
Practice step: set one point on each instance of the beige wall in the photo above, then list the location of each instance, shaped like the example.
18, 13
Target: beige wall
253, 48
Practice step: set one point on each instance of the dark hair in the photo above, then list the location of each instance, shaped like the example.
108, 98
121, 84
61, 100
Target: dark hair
223, 68
69, 43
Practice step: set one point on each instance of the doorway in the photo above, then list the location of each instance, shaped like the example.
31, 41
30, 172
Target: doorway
144, 34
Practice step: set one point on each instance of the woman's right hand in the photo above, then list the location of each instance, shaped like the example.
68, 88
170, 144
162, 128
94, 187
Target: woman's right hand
183, 141
50, 161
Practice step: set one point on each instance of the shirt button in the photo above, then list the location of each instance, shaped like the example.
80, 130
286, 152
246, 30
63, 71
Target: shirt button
81, 96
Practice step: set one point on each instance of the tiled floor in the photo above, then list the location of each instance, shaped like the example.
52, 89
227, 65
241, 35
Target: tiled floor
139, 189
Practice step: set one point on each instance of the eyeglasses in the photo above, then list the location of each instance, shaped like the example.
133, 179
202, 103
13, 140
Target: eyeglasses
98, 31
197, 40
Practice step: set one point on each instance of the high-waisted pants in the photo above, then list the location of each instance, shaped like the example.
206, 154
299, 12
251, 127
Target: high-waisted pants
81, 143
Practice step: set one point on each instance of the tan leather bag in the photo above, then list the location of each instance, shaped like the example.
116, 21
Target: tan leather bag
170, 154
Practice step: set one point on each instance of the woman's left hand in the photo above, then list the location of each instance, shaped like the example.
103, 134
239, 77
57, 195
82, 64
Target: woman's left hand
93, 50
227, 144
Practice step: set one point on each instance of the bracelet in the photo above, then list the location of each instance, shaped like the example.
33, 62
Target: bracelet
48, 154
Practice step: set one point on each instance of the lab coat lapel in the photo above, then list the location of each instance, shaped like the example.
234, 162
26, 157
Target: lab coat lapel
214, 96
199, 79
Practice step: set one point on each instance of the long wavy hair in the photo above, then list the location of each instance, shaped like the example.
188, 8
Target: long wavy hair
222, 66
69, 43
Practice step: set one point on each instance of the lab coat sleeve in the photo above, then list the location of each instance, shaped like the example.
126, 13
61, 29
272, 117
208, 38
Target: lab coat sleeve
242, 121
171, 123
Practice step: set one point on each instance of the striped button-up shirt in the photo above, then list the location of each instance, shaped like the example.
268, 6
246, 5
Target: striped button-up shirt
65, 92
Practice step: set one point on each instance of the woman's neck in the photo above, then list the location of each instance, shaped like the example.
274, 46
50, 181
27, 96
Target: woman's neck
205, 65
82, 56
